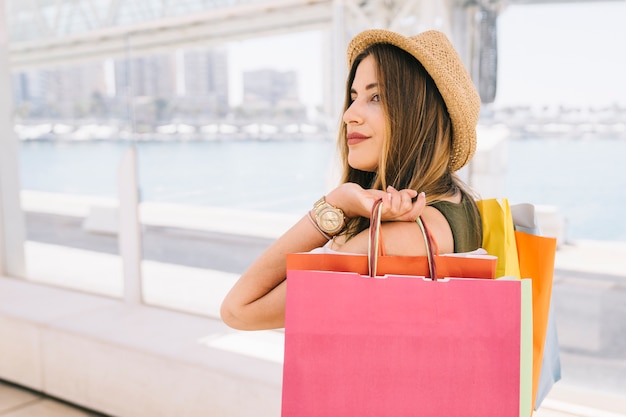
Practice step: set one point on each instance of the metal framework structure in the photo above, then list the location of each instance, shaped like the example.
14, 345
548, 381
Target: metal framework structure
46, 32
68, 31
50, 32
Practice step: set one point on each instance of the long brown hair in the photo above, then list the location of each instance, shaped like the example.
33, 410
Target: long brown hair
418, 143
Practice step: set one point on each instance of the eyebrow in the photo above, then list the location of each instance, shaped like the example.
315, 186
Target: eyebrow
367, 87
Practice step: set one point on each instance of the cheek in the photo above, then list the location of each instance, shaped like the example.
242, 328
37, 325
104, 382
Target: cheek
381, 130
379, 122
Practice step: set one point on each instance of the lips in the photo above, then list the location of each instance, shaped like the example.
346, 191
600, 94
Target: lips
354, 138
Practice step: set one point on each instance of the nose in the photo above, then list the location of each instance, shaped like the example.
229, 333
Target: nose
352, 115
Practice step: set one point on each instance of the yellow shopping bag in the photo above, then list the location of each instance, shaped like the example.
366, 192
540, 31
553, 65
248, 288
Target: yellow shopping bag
499, 235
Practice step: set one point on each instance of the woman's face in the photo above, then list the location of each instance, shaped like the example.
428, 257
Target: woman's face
365, 119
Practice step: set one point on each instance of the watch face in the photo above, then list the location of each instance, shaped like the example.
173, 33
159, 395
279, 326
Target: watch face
331, 221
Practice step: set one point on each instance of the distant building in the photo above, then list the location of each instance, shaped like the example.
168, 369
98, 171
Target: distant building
21, 90
149, 82
30, 91
269, 92
149, 89
202, 82
145, 76
64, 92
27, 97
270, 86
71, 90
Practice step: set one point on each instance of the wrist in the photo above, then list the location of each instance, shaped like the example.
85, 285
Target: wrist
339, 198
330, 220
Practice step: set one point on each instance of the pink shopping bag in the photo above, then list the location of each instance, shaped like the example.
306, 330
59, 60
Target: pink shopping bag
403, 345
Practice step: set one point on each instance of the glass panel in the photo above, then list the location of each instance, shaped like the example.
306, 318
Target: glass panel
229, 158
65, 118
565, 154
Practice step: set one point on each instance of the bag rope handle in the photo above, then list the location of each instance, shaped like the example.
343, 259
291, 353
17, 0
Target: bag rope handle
373, 243
428, 243
375, 240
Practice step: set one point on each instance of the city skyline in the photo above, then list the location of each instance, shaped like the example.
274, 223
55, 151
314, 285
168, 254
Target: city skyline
181, 83
531, 72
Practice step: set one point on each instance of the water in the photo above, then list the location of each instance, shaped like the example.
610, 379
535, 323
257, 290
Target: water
585, 179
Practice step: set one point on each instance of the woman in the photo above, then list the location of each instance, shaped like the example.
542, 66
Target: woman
409, 123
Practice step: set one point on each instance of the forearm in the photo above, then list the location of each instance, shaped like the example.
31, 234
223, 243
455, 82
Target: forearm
257, 300
266, 312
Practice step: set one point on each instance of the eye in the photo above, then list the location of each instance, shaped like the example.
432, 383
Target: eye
376, 97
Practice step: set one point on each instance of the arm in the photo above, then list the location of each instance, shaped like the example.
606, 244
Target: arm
257, 300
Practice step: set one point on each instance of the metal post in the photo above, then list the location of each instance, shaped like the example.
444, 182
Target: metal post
337, 61
129, 233
12, 233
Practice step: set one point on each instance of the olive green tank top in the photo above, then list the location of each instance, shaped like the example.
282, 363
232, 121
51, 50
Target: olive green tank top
463, 223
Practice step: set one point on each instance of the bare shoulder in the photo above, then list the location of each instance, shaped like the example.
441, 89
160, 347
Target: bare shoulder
400, 238
405, 238
439, 229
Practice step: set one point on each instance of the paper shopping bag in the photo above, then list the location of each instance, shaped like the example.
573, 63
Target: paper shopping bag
514, 228
499, 235
536, 258
470, 266
551, 363
406, 346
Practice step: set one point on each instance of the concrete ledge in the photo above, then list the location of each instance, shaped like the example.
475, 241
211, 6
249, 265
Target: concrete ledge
101, 215
126, 360
565, 400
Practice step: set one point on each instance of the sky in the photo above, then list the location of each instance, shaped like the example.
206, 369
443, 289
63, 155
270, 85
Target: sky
563, 53
548, 54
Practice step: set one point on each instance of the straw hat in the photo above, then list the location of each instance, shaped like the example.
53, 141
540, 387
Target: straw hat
436, 53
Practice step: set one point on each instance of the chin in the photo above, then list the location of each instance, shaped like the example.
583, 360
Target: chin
362, 164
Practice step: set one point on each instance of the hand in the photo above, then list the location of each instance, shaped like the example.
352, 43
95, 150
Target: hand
399, 205
358, 202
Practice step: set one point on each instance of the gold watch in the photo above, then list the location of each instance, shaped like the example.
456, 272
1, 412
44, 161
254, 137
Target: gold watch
329, 218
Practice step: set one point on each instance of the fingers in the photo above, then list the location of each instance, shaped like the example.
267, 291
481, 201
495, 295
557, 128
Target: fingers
399, 205
417, 208
401, 197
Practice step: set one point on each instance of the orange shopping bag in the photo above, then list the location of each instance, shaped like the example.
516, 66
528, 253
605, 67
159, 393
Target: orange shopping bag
536, 258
